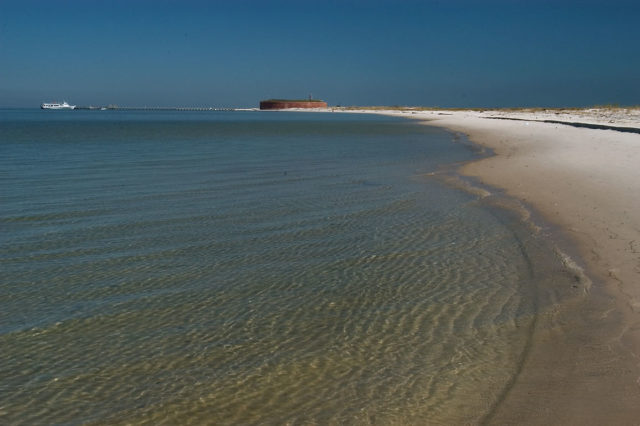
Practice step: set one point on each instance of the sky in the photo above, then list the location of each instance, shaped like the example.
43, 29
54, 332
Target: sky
444, 53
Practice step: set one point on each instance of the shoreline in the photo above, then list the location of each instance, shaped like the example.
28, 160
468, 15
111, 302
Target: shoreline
582, 179
583, 364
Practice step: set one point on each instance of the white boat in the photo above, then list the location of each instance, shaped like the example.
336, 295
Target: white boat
57, 105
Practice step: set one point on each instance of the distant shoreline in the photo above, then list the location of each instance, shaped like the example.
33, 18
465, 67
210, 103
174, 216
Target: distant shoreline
117, 108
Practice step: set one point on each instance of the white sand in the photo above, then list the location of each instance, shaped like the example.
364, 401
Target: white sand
584, 365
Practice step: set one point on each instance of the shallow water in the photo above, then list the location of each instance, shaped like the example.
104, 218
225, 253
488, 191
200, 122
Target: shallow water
247, 267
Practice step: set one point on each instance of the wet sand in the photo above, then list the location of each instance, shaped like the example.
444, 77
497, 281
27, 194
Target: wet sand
579, 170
584, 363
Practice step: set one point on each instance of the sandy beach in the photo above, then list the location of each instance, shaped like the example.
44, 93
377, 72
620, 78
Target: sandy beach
579, 171
584, 362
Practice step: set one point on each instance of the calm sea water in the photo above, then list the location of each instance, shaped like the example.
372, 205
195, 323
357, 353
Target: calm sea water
248, 268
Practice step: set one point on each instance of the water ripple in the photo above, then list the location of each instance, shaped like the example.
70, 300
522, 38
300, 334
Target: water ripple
192, 275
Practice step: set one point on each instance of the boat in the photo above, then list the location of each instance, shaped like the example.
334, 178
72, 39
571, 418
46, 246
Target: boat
57, 105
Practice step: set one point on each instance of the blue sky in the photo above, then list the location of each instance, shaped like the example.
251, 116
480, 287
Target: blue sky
233, 53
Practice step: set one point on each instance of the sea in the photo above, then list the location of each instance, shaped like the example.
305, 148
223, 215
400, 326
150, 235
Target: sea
247, 267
